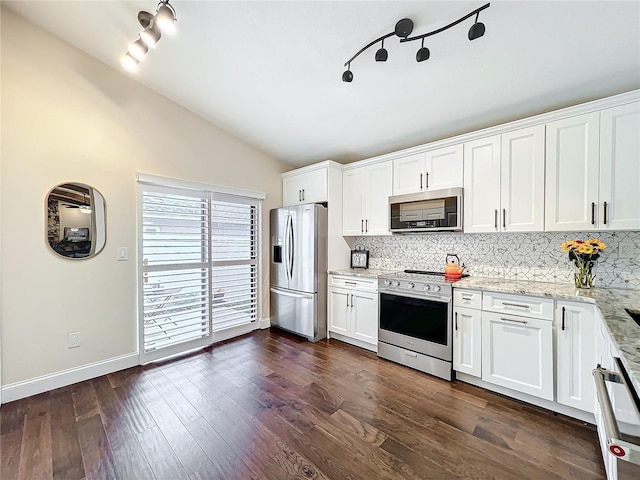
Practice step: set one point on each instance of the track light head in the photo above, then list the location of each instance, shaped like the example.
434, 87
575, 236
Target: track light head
151, 35
347, 76
166, 18
382, 54
404, 28
477, 29
423, 54
129, 63
138, 49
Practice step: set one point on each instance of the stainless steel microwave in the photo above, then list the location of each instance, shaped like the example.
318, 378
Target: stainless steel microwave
435, 211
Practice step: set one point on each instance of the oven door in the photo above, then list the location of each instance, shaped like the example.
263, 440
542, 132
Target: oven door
417, 324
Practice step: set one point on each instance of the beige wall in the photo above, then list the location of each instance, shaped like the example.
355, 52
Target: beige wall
67, 117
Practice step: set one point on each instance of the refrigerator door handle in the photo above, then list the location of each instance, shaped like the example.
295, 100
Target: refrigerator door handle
291, 247
289, 293
286, 247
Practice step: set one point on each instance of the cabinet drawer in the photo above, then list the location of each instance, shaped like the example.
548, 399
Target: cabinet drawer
359, 283
467, 298
533, 307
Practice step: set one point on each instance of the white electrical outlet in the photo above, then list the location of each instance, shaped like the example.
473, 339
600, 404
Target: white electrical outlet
74, 340
626, 250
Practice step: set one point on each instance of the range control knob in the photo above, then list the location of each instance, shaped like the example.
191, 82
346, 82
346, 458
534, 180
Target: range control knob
396, 283
387, 282
435, 288
411, 285
427, 288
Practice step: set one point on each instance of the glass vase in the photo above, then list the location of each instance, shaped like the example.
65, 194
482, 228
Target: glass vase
584, 277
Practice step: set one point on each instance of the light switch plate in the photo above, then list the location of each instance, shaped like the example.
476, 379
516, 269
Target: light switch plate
626, 250
123, 254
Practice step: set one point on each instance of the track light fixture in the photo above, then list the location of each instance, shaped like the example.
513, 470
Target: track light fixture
382, 54
164, 21
404, 28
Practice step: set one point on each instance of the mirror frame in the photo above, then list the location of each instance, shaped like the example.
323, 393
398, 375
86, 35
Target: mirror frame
96, 229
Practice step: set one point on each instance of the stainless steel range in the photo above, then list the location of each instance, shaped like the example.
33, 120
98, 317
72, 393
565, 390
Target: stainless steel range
415, 321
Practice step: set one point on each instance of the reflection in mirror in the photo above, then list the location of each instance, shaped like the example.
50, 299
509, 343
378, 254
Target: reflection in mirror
75, 220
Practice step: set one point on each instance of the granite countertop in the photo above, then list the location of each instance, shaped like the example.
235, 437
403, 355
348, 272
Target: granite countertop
611, 303
361, 272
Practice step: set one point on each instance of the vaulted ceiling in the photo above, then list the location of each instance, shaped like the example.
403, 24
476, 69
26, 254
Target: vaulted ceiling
269, 72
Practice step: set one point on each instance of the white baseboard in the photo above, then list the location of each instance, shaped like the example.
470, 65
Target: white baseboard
540, 402
264, 323
34, 386
354, 341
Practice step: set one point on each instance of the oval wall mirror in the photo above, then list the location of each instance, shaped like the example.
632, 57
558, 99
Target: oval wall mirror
76, 226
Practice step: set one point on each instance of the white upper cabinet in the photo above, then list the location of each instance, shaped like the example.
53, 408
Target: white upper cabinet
571, 197
482, 185
522, 180
306, 187
593, 171
366, 193
504, 182
433, 170
619, 200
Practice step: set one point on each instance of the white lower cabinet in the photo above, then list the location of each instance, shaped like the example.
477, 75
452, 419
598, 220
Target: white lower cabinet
576, 357
467, 341
353, 309
517, 353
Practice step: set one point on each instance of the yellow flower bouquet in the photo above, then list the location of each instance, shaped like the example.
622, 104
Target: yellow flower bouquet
584, 254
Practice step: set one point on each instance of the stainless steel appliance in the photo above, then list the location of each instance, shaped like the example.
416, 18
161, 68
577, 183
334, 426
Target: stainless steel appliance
415, 321
298, 270
436, 211
620, 449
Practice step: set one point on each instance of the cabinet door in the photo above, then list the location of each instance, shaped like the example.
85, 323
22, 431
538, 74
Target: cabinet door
376, 208
467, 341
522, 180
353, 193
576, 356
408, 174
571, 196
517, 353
314, 186
292, 190
619, 168
364, 316
482, 185
444, 168
339, 306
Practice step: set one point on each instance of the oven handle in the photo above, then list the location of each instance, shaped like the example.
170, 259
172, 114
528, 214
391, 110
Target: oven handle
615, 445
438, 299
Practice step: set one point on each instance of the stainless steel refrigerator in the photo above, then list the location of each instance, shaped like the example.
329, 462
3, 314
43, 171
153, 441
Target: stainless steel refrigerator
299, 270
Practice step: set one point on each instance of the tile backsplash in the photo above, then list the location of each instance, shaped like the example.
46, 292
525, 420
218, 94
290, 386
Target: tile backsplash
516, 256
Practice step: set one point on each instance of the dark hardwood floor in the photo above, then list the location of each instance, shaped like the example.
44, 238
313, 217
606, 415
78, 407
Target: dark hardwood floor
271, 406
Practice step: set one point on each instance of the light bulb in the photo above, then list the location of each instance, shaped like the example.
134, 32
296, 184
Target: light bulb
165, 20
129, 63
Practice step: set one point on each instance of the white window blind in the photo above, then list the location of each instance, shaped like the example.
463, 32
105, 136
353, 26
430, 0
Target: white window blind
234, 235
199, 267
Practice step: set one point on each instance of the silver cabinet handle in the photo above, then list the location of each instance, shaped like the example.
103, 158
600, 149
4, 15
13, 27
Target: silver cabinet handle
495, 218
512, 320
420, 181
304, 194
604, 210
504, 218
366, 226
515, 305
615, 445
456, 321
299, 195
361, 225
350, 283
466, 299
563, 316
427, 182
593, 213
410, 354
352, 300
